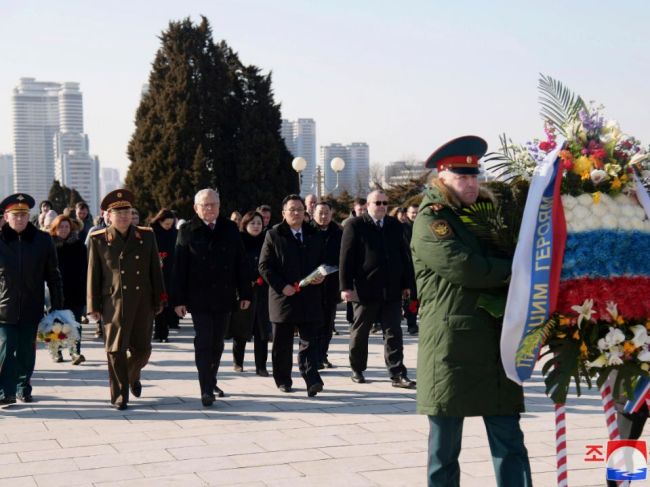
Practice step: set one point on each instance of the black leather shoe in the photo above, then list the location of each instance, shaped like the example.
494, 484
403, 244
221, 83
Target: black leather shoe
284, 388
136, 388
321, 366
7, 401
328, 364
262, 372
358, 378
219, 392
207, 400
413, 332
120, 406
314, 389
25, 397
403, 382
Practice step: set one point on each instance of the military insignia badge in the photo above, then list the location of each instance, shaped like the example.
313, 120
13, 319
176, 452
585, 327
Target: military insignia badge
441, 229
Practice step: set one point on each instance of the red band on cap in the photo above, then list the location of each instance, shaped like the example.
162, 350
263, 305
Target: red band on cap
457, 161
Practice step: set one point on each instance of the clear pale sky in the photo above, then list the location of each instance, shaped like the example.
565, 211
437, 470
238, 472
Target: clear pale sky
402, 76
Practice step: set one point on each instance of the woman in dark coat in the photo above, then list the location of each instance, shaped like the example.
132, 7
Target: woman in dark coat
254, 320
73, 265
164, 228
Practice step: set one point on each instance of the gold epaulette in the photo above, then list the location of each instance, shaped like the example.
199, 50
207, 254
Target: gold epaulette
98, 232
145, 229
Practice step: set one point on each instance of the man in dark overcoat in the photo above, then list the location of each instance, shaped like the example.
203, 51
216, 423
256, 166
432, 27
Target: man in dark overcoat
291, 251
125, 290
331, 232
27, 260
376, 275
211, 273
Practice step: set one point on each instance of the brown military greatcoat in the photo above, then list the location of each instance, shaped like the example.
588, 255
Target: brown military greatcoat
125, 284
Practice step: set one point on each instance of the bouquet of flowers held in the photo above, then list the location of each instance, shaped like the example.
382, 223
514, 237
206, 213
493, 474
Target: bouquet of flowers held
58, 329
320, 271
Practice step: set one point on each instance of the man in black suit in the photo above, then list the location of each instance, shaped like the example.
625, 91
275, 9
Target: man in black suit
291, 251
211, 277
376, 274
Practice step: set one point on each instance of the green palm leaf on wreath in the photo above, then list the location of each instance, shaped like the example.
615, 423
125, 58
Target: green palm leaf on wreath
503, 163
486, 221
559, 105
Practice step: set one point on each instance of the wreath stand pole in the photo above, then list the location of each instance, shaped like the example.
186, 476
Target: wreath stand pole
560, 446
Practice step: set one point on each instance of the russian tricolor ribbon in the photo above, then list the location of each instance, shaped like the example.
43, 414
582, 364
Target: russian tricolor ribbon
536, 269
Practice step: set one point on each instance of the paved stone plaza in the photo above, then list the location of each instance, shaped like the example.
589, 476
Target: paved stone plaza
349, 435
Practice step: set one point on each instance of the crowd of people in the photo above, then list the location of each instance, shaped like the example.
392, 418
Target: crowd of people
239, 277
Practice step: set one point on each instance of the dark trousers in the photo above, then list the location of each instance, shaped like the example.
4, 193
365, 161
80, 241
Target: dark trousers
410, 316
8, 345
630, 427
349, 312
209, 329
389, 314
17, 358
260, 346
163, 322
327, 330
308, 353
126, 369
509, 455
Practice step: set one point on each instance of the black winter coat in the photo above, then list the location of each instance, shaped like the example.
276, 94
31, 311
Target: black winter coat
285, 261
210, 267
26, 261
166, 241
375, 263
333, 234
244, 322
73, 264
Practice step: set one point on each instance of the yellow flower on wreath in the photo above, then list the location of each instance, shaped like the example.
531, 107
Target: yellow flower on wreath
583, 350
616, 183
582, 165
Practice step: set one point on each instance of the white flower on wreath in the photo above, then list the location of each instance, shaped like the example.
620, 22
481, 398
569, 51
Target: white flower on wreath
598, 176
614, 356
598, 363
613, 338
640, 335
56, 328
585, 311
612, 309
644, 355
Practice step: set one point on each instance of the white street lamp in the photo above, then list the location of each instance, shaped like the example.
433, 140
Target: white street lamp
337, 164
299, 164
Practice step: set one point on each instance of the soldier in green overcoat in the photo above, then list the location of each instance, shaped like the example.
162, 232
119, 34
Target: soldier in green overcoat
125, 289
459, 366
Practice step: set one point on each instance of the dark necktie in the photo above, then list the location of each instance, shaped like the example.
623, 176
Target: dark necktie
378, 223
211, 225
298, 237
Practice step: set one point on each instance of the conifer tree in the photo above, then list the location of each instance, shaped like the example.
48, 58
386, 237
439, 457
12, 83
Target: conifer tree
206, 121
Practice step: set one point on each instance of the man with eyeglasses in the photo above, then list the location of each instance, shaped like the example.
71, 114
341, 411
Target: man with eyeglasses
291, 251
211, 277
125, 290
376, 274
27, 260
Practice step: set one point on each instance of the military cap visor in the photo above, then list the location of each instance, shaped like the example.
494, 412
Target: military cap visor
117, 200
459, 155
17, 203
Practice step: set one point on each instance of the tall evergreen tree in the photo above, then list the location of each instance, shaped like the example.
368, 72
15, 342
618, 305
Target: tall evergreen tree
204, 123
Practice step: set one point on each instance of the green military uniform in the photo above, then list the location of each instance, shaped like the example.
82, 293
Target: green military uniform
459, 364
459, 367
125, 285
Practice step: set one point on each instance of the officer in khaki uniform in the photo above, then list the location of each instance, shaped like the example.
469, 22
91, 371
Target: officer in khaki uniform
125, 289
